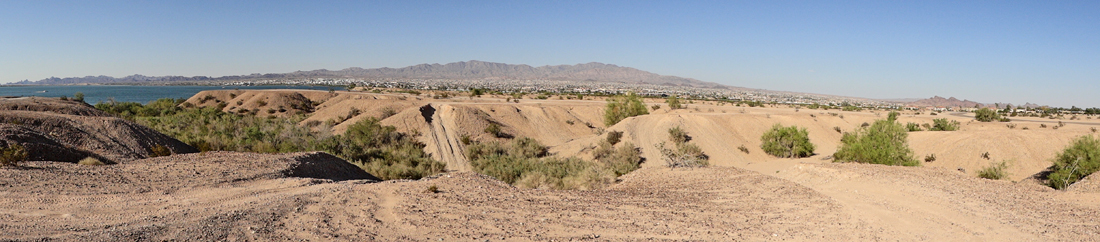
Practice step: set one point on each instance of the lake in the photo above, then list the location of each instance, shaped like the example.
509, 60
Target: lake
140, 94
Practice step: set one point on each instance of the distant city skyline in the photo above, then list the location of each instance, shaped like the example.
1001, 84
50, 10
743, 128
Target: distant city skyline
1007, 52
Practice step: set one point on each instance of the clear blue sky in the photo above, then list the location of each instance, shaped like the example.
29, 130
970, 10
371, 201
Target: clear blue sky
1045, 52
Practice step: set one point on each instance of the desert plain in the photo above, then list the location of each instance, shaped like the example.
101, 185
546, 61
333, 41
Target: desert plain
741, 196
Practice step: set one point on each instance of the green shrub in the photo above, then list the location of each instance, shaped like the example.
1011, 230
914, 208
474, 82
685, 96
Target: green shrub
986, 115
913, 127
787, 142
930, 158
614, 137
678, 136
682, 154
620, 160
78, 96
893, 116
12, 155
942, 124
884, 142
524, 162
674, 102
622, 107
380, 150
494, 129
1078, 160
995, 171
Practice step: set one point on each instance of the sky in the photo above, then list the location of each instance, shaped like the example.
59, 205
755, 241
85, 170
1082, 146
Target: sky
1045, 52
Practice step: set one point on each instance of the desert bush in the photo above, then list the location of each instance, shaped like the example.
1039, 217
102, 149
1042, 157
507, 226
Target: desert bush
387, 112
995, 171
837, 129
1042, 125
742, 148
78, 96
379, 150
913, 127
12, 155
524, 162
383, 152
465, 139
261, 103
884, 142
1093, 129
986, 115
159, 150
1010, 126
674, 102
787, 142
942, 124
864, 125
985, 155
1078, 160
678, 136
655, 107
90, 161
622, 107
930, 158
682, 153
494, 129
620, 160
893, 116
614, 137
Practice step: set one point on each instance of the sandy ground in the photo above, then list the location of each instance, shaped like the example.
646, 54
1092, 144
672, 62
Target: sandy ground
743, 197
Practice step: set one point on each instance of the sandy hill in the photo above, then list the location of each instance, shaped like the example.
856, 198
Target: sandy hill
744, 196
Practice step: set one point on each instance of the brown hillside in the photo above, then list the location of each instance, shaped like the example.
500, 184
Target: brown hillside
110, 138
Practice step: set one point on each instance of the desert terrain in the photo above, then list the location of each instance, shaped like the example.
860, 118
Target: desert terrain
742, 196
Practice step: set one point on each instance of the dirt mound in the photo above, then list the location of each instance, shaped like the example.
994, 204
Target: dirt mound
40, 147
171, 173
51, 105
110, 138
259, 102
1089, 184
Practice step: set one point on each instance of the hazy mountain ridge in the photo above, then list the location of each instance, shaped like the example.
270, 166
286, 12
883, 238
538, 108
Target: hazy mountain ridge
592, 71
938, 101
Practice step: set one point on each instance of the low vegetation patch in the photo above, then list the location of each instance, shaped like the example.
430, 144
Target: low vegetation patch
380, 150
942, 124
913, 127
1077, 161
622, 107
12, 155
787, 142
986, 115
682, 153
674, 102
884, 142
995, 171
524, 162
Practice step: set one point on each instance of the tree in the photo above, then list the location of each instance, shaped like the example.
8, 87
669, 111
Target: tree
787, 142
79, 97
622, 107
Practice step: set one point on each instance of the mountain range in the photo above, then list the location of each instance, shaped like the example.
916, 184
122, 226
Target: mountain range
473, 69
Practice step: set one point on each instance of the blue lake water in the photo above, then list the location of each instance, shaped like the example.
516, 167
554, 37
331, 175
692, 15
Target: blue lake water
141, 94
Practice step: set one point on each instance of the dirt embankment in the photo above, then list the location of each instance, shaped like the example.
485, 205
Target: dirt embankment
56, 130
